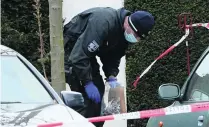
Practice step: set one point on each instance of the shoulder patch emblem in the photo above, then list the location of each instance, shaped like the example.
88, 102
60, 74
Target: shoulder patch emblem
93, 46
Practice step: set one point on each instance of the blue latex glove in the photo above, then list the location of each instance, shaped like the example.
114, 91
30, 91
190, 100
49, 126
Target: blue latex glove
92, 92
113, 82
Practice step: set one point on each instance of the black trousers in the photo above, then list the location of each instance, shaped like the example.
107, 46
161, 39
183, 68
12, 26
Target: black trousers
91, 108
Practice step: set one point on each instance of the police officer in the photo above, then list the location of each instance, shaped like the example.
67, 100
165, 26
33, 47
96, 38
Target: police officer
104, 32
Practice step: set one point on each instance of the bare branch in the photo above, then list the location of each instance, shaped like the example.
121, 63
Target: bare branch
37, 15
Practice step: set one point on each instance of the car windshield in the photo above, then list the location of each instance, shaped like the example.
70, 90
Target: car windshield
198, 89
19, 84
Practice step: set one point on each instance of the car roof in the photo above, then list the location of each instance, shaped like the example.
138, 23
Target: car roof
7, 51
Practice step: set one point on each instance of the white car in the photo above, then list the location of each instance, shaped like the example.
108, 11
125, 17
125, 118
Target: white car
27, 99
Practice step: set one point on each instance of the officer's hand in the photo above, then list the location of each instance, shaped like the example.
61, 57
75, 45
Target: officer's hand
92, 92
112, 81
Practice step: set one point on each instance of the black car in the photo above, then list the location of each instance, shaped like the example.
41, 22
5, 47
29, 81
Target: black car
194, 90
27, 99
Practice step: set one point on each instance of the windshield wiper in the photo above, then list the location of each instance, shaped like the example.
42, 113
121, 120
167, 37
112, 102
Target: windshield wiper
10, 102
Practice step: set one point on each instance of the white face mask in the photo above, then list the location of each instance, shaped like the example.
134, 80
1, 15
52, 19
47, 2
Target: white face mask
130, 37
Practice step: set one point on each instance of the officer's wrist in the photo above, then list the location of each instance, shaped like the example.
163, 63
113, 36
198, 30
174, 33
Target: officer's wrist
86, 82
111, 77
89, 83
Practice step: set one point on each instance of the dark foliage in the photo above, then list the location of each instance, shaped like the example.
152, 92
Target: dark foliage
20, 27
171, 68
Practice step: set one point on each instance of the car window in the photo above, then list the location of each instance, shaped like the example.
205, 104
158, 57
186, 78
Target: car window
198, 95
18, 84
199, 83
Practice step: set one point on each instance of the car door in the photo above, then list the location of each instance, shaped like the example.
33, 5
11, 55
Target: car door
195, 90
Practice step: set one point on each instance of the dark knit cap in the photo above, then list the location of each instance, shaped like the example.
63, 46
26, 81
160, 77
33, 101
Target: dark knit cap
141, 22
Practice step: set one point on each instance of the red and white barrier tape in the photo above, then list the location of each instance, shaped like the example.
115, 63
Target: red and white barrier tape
187, 30
141, 114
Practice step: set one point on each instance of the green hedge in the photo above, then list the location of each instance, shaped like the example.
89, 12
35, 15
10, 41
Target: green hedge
19, 29
171, 68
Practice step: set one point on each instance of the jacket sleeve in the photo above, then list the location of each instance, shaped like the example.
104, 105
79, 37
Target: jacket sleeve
87, 46
110, 64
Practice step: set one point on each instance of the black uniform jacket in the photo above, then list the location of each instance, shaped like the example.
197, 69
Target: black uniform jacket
99, 32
